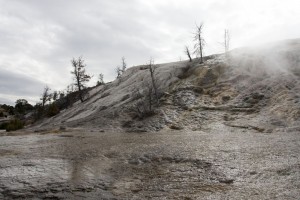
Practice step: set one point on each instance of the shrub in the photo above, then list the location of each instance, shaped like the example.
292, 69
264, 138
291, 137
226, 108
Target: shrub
3, 126
38, 112
185, 72
14, 124
52, 110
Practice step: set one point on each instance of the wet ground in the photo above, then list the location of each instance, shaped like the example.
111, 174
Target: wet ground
225, 163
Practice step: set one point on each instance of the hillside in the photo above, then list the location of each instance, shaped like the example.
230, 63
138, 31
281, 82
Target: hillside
255, 88
225, 129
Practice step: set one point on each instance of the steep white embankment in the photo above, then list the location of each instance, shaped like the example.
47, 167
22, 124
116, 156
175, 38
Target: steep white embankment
254, 87
118, 94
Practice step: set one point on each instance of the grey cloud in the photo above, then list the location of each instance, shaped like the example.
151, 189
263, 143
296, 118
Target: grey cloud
12, 83
49, 33
7, 101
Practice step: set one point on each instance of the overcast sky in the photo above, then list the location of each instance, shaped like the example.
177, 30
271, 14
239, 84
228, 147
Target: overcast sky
38, 38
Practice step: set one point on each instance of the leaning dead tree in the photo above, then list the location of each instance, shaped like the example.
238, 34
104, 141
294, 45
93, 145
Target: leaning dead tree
80, 76
199, 42
187, 52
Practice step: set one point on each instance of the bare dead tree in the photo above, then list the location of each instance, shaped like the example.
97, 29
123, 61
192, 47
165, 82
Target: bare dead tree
146, 97
46, 96
80, 76
122, 69
200, 42
144, 105
187, 52
149, 94
226, 41
124, 64
152, 70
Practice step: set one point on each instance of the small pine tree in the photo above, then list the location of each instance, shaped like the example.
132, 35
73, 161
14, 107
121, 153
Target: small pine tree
100, 81
80, 76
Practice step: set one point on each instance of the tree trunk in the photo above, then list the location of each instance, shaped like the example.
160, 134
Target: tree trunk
200, 49
79, 89
188, 53
153, 83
